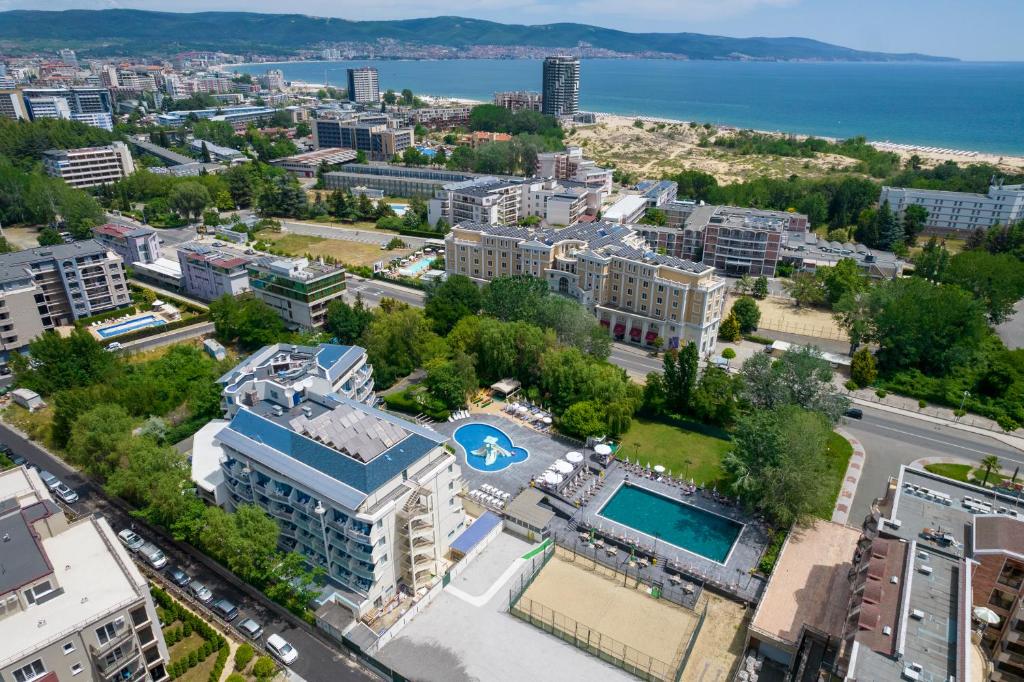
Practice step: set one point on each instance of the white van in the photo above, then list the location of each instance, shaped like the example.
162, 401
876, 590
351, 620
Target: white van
153, 555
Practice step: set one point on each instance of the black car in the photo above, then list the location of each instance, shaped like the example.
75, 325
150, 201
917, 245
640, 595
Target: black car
5, 449
179, 577
855, 413
225, 609
18, 460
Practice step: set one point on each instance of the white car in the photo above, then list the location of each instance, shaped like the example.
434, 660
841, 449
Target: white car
65, 493
281, 649
114, 345
130, 540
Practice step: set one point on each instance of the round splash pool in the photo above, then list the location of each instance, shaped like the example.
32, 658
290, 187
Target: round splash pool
501, 453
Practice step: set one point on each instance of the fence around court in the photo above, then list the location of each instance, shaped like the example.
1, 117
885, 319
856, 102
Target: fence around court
583, 637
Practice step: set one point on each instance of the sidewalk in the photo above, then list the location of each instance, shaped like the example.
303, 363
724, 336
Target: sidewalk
841, 514
1001, 436
910, 405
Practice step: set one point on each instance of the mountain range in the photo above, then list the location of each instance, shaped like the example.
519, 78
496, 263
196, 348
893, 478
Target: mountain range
123, 31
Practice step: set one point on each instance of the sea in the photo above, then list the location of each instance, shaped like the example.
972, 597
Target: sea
976, 106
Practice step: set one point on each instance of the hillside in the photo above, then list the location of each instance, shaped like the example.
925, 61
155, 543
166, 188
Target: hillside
116, 31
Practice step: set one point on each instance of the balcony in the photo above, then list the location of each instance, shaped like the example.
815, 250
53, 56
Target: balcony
115, 659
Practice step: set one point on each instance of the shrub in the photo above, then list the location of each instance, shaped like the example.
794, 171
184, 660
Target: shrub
243, 655
851, 385
193, 659
263, 668
222, 659
881, 393
235, 677
1007, 423
187, 628
728, 354
863, 369
754, 338
922, 404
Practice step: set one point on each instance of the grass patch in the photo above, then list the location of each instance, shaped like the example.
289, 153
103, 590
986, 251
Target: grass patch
185, 646
38, 425
686, 448
344, 251
837, 452
200, 673
965, 473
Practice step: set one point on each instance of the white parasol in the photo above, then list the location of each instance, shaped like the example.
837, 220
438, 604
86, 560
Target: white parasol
658, 469
986, 615
574, 457
551, 478
562, 467
603, 449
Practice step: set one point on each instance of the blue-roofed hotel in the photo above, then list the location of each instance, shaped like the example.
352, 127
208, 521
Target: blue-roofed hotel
368, 496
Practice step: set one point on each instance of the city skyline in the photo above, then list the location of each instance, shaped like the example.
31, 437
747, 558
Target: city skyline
949, 30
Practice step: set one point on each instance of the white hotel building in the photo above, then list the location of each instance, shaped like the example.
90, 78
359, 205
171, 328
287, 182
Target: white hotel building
959, 212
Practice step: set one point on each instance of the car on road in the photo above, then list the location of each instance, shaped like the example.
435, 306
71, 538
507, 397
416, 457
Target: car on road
225, 609
200, 591
855, 413
49, 479
130, 540
281, 650
250, 628
65, 493
180, 577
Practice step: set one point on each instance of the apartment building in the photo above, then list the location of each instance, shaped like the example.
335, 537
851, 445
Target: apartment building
570, 165
79, 100
363, 85
52, 286
90, 166
297, 289
72, 603
307, 164
12, 105
369, 497
238, 117
208, 273
378, 136
441, 117
559, 203
658, 193
397, 181
132, 244
272, 79
561, 81
951, 213
638, 295
519, 100
286, 370
48, 107
997, 581
504, 201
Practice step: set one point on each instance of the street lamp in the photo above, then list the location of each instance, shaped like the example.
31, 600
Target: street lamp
963, 401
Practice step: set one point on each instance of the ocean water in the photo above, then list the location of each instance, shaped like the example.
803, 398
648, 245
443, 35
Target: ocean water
960, 105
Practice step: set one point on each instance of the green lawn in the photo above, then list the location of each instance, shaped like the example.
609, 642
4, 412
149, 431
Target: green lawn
688, 449
964, 473
837, 451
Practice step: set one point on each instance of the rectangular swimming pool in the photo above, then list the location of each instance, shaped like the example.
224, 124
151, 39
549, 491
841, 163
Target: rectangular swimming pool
131, 325
676, 523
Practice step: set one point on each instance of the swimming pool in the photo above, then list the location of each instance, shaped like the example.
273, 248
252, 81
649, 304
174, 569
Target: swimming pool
670, 521
476, 437
399, 209
416, 268
131, 325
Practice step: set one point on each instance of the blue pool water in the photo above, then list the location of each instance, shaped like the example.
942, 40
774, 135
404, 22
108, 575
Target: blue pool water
683, 525
399, 209
413, 269
427, 151
471, 437
131, 325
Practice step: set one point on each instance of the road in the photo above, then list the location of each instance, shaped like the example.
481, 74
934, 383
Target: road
893, 439
317, 662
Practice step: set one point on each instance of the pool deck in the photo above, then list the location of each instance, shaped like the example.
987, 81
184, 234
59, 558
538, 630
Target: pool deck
733, 577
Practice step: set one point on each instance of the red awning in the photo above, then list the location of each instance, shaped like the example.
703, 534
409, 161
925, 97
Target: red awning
651, 335
620, 329
605, 323
635, 332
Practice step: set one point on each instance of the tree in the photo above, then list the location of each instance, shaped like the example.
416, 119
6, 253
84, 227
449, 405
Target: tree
680, 369
744, 285
800, 377
990, 462
778, 463
863, 370
49, 237
715, 400
890, 232
450, 381
449, 301
205, 154
347, 322
932, 261
264, 666
845, 277
58, 362
655, 216
513, 297
99, 438
748, 315
853, 314
760, 290
996, 280
189, 199
805, 289
583, 419
249, 322
399, 341
729, 330
915, 217
283, 197
654, 396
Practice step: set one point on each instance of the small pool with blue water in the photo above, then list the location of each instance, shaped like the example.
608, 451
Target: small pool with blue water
473, 437
131, 325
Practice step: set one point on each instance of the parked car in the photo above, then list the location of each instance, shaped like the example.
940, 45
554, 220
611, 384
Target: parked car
5, 449
18, 460
180, 577
225, 609
250, 628
130, 540
49, 479
200, 591
281, 650
855, 413
114, 345
153, 555
65, 493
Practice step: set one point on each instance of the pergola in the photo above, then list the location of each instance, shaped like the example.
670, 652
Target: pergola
506, 387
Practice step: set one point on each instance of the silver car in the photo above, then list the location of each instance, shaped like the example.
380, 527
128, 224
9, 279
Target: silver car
130, 540
200, 591
65, 493
250, 628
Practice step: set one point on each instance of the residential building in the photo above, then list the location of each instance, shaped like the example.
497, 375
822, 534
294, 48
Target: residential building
478, 138
208, 273
808, 252
504, 201
634, 292
12, 105
441, 117
997, 581
298, 290
272, 79
570, 165
90, 166
52, 286
561, 86
72, 603
306, 165
48, 107
519, 100
163, 272
363, 85
218, 153
658, 193
377, 136
132, 244
68, 57
558, 203
951, 213
369, 497
629, 209
105, 121
396, 181
77, 100
238, 117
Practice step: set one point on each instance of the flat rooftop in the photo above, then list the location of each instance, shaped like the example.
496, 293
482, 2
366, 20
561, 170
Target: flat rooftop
810, 585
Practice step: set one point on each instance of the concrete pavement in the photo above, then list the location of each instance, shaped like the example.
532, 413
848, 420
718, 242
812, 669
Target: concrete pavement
851, 480
351, 234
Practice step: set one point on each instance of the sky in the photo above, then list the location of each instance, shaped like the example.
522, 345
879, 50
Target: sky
967, 29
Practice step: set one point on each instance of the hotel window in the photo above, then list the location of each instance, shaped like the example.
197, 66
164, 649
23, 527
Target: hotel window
68, 648
30, 672
76, 668
1012, 575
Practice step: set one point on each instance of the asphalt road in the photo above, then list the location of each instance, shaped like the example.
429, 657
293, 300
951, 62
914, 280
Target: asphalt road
317, 662
891, 440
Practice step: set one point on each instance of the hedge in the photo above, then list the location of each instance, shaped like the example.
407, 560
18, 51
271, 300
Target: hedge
404, 402
243, 655
160, 329
106, 315
763, 340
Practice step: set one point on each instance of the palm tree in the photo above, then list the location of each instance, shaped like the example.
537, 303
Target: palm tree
990, 462
687, 463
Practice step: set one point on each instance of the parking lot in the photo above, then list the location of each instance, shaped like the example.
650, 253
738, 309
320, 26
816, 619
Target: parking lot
317, 660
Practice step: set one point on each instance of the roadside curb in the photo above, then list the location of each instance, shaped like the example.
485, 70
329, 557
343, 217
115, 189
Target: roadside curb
841, 513
1012, 441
